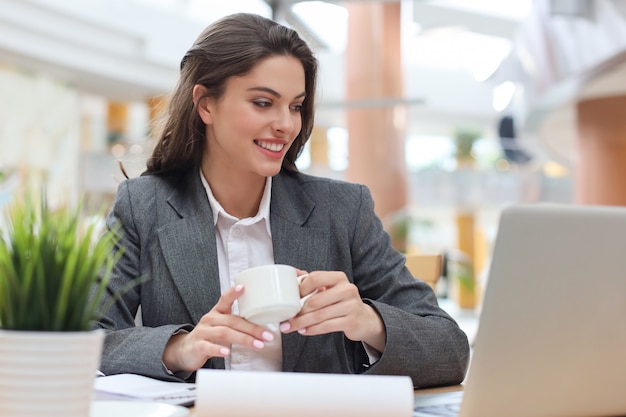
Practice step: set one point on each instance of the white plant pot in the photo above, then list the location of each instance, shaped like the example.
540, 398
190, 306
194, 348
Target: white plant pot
48, 374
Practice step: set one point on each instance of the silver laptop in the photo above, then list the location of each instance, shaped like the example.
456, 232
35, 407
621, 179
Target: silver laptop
552, 334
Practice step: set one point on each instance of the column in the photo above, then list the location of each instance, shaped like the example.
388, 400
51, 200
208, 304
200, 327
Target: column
601, 165
376, 125
318, 143
463, 283
117, 121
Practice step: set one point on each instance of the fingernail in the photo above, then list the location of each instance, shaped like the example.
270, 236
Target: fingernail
284, 326
258, 344
302, 331
268, 336
225, 351
238, 288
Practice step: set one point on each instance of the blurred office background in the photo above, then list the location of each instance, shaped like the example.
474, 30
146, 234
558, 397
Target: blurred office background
448, 110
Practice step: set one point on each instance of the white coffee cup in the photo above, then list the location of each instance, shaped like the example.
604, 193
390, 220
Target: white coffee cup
271, 295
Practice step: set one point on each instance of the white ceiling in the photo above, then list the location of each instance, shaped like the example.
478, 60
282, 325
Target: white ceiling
126, 50
130, 50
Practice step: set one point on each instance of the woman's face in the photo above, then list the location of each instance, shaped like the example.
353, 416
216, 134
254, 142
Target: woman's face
251, 127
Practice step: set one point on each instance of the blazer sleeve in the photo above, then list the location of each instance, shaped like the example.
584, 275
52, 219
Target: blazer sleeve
422, 340
129, 348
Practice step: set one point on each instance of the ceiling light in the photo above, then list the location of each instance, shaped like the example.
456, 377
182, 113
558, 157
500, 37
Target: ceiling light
502, 95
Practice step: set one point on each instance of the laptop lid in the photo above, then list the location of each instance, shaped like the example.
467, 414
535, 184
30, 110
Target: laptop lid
552, 334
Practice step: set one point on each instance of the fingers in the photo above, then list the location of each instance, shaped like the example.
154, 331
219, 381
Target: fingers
195, 352
215, 333
230, 330
318, 321
207, 341
321, 280
329, 288
333, 306
225, 303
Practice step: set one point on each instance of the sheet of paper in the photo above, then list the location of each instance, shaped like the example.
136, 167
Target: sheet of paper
131, 386
270, 394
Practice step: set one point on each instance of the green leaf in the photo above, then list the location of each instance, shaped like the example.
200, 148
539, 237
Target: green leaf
54, 269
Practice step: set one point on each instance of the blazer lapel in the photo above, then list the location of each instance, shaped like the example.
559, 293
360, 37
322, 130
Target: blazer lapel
299, 238
189, 249
296, 242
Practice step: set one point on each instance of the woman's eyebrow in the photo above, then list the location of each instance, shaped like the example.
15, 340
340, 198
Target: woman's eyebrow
274, 92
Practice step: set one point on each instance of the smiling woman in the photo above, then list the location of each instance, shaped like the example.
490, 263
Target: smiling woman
222, 194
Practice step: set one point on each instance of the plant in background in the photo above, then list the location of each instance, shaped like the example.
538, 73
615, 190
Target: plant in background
461, 278
463, 272
400, 224
54, 270
464, 139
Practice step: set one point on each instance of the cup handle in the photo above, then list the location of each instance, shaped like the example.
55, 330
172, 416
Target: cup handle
306, 297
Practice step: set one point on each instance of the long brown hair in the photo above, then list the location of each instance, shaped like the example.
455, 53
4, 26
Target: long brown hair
229, 47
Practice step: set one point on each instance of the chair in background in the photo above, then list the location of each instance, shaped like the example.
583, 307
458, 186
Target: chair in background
426, 267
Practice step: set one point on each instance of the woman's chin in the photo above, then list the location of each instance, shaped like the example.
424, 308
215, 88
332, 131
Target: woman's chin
269, 170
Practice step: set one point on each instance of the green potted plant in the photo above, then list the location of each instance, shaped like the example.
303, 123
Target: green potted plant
464, 139
54, 273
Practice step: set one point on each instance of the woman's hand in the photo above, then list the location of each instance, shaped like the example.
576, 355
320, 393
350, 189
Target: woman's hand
336, 306
213, 336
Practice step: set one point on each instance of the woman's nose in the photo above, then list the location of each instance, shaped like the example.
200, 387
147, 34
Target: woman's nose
284, 121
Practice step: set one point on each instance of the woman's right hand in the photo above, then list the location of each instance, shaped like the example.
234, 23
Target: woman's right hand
213, 335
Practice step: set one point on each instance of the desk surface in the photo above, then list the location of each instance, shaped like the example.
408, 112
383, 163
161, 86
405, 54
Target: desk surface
452, 388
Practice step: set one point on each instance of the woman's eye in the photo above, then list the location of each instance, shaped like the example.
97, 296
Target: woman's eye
297, 107
262, 103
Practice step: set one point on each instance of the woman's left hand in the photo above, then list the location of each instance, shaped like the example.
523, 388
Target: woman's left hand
336, 306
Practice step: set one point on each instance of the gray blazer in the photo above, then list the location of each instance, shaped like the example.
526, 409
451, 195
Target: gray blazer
317, 224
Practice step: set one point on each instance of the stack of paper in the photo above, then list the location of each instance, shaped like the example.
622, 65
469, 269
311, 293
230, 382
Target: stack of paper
137, 387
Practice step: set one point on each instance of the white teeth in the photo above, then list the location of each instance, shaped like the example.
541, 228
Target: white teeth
274, 147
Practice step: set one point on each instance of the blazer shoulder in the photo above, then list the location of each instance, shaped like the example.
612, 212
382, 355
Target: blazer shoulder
146, 190
335, 187
151, 180
151, 183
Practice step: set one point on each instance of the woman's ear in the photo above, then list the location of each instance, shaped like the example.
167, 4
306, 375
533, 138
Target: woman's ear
201, 102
